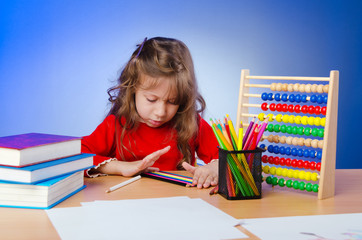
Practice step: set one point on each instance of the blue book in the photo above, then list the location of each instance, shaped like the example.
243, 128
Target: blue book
42, 195
46, 170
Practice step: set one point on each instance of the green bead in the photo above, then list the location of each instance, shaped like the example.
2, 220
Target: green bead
270, 127
307, 131
283, 129
289, 129
275, 181
321, 132
289, 183
300, 130
276, 128
295, 184
301, 186
281, 182
308, 187
269, 180
315, 188
295, 130
314, 132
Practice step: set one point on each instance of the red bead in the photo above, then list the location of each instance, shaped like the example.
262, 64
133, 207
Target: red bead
318, 166
300, 163
317, 110
294, 163
324, 110
311, 109
291, 108
279, 107
270, 159
264, 106
304, 109
285, 108
264, 158
282, 161
297, 108
276, 160
306, 164
312, 165
287, 162
272, 107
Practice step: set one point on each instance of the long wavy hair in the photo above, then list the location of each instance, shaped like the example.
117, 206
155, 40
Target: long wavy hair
158, 58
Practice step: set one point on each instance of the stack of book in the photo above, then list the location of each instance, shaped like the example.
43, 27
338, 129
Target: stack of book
40, 170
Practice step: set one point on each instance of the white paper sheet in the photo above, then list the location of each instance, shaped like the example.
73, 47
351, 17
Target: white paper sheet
157, 218
334, 226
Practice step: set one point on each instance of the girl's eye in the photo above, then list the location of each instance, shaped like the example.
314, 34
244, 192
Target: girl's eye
172, 102
151, 100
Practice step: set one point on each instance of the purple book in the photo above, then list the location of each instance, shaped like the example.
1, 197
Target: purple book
31, 148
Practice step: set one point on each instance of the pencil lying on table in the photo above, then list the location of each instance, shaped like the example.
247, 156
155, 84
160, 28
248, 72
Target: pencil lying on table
123, 184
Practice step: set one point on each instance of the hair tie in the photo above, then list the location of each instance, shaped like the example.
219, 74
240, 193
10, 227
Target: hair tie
139, 51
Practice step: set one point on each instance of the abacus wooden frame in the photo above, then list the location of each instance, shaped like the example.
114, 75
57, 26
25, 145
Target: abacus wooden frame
328, 161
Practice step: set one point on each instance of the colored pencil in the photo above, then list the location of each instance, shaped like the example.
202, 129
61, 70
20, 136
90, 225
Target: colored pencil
123, 184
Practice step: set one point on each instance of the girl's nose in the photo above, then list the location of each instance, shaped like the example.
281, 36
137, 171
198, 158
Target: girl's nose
160, 110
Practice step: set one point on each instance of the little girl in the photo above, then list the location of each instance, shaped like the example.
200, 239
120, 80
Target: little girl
154, 122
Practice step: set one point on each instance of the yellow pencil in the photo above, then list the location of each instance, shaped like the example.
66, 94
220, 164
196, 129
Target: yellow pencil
240, 138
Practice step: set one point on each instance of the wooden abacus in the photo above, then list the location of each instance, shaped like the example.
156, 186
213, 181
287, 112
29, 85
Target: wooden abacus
313, 91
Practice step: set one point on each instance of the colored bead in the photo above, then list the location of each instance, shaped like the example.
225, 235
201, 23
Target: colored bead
272, 107
320, 99
271, 159
301, 87
307, 142
284, 108
300, 152
294, 163
276, 128
279, 118
268, 180
301, 186
324, 110
325, 99
285, 97
321, 132
308, 176
307, 131
270, 127
285, 172
326, 88
306, 164
304, 98
285, 118
313, 98
323, 122
298, 98
295, 184
287, 151
311, 109
306, 153
320, 144
262, 146
282, 150
290, 173
315, 132
283, 139
289, 183
276, 149
277, 97
264, 96
276, 160
302, 175
287, 162
308, 187
285, 87
300, 130
294, 152
314, 177
273, 86
290, 87
319, 155
283, 128
297, 108
272, 170
278, 87
270, 117
301, 142
300, 163
311, 120
318, 166
294, 129
282, 161
270, 96
264, 106
264, 159
296, 87
296, 174
290, 108
275, 138
289, 129
279, 171
320, 88
315, 188
317, 110
274, 181
291, 98
261, 116
314, 143
317, 121
312, 165
278, 107
298, 119
304, 109
314, 88
281, 182
304, 120
270, 148
291, 119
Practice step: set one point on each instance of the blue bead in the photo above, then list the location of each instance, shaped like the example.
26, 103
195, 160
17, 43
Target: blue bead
291, 98
264, 96
294, 152
319, 155
313, 98
270, 96
320, 99
312, 153
285, 97
306, 153
298, 98
282, 150
287, 151
270, 148
276, 149
262, 146
300, 152
304, 98
277, 97
325, 99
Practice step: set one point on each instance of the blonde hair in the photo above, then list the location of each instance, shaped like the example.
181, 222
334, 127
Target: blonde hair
160, 57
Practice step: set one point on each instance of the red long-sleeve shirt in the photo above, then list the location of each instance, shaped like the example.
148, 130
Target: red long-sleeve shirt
145, 140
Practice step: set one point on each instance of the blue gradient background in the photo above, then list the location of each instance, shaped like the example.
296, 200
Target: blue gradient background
58, 58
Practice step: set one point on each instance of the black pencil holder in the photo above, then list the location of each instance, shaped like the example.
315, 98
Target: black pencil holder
238, 177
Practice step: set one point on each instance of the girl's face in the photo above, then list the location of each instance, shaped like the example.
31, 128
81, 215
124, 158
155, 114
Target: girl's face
155, 104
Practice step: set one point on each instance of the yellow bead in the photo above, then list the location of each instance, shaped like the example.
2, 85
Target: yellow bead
308, 176
314, 177
279, 118
304, 120
279, 171
272, 170
297, 119
323, 122
261, 116
302, 175
266, 169
291, 119
311, 120
285, 172
285, 118
317, 121
290, 173
296, 174
271, 117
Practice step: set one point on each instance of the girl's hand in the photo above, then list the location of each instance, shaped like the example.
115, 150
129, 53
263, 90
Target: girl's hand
129, 169
204, 176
